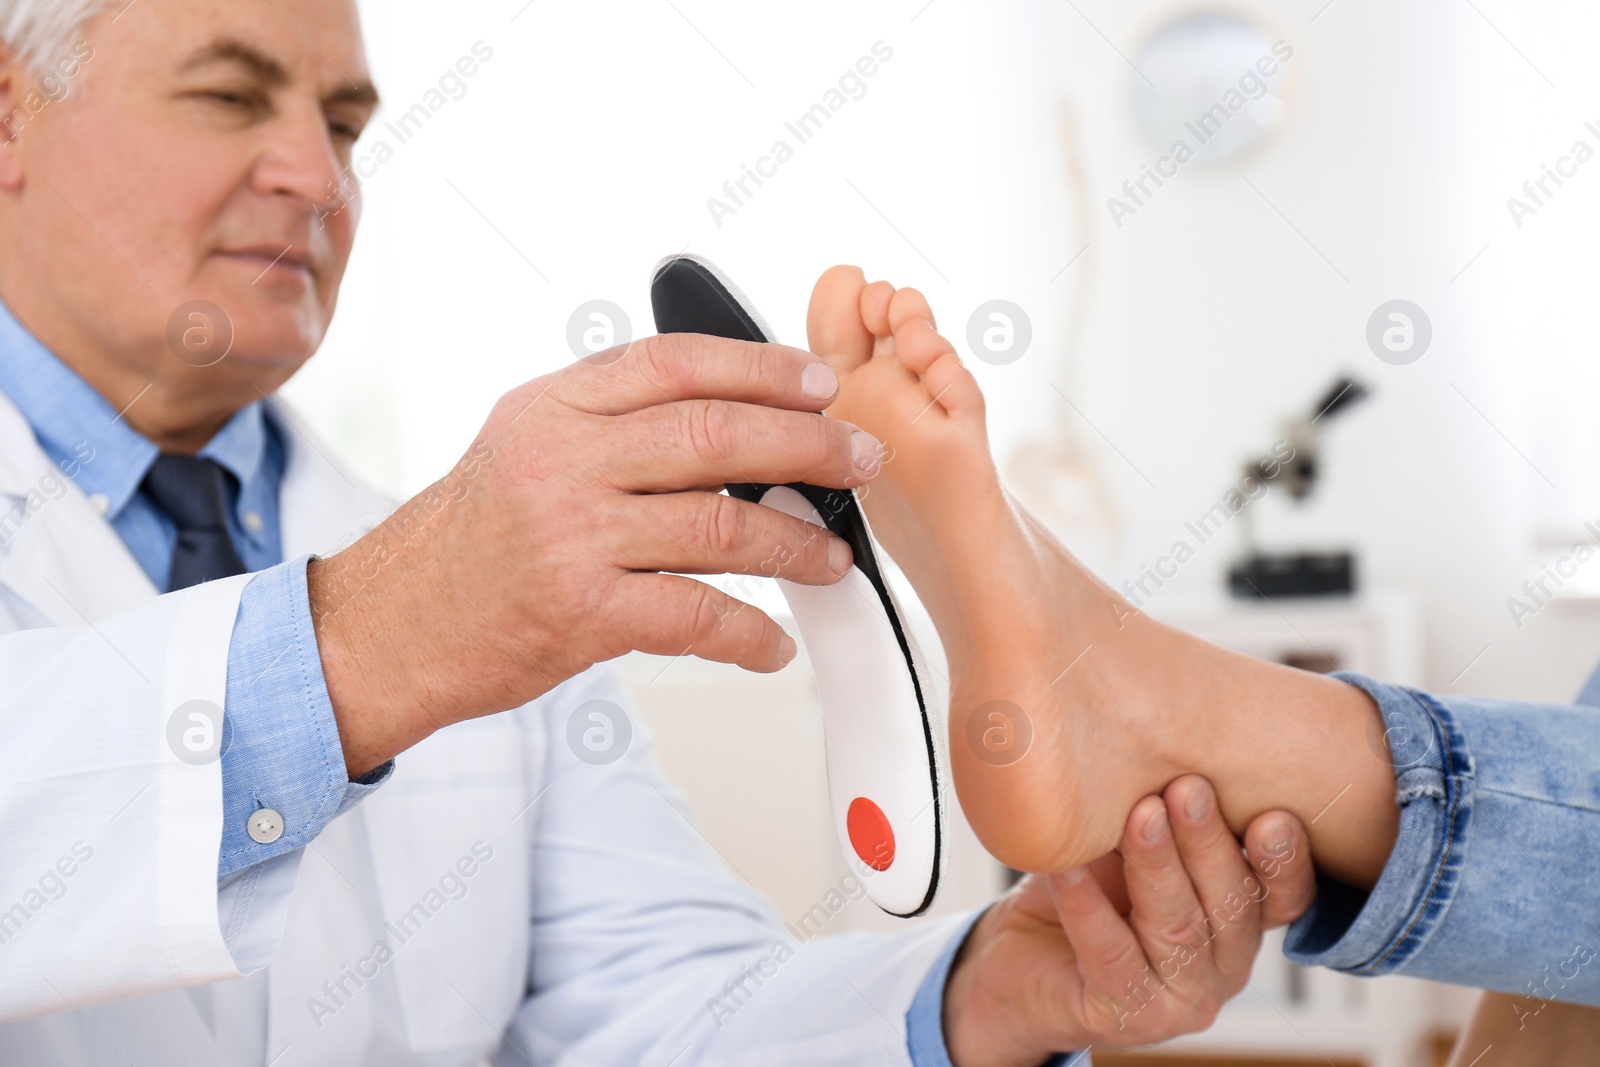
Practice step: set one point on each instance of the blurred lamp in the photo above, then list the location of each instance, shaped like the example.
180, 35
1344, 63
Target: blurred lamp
1214, 82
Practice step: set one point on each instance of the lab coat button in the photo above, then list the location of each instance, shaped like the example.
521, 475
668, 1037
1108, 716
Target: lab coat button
265, 825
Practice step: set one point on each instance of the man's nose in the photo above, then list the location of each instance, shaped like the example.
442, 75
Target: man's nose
301, 161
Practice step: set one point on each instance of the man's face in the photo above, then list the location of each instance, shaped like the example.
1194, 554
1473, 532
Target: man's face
197, 161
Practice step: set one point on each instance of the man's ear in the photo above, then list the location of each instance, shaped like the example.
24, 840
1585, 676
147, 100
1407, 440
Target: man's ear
12, 81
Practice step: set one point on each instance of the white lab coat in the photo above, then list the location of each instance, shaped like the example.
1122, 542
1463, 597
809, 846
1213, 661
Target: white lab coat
596, 925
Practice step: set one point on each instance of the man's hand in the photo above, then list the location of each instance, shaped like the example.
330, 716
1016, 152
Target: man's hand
541, 553
1142, 945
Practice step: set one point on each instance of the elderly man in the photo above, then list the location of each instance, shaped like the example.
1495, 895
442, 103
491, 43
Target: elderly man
212, 852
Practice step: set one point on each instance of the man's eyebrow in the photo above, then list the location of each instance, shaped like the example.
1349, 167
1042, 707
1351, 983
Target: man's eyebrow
269, 70
362, 93
237, 52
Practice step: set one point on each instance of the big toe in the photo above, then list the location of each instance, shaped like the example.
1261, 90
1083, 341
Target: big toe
833, 322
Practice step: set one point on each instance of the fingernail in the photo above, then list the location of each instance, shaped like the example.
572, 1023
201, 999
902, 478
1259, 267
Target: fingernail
1156, 828
787, 648
1071, 877
866, 451
839, 555
818, 381
1199, 804
1280, 838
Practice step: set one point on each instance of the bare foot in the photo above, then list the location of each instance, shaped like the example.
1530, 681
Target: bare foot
1067, 706
1057, 757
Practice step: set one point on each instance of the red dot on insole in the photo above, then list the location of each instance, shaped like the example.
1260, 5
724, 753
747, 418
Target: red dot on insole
870, 834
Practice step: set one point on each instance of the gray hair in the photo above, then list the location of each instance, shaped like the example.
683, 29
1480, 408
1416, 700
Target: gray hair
42, 31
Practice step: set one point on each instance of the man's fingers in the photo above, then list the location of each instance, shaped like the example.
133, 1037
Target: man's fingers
1111, 871
1228, 889
700, 442
1110, 957
670, 367
668, 615
708, 533
1167, 915
1278, 849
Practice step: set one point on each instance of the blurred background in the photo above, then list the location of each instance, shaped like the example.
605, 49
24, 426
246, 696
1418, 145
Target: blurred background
1404, 207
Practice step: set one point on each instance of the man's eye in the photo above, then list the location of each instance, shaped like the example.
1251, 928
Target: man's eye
345, 131
234, 100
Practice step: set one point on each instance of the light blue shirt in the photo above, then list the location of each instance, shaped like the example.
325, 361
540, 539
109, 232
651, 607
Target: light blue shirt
66, 412
281, 747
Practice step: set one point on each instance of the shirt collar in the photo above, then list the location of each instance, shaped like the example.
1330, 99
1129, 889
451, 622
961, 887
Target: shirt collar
69, 419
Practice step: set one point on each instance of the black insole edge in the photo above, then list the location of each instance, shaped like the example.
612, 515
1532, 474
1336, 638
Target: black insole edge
678, 278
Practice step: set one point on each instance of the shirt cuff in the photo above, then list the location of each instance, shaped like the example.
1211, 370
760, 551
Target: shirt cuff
925, 1017
1378, 932
281, 747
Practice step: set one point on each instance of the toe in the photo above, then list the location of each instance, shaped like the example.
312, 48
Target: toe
833, 322
875, 300
906, 305
954, 387
918, 344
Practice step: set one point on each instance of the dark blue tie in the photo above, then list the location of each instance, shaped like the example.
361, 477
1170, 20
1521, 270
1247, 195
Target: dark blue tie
194, 494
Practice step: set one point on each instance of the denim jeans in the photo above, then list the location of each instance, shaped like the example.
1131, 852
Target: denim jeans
1494, 881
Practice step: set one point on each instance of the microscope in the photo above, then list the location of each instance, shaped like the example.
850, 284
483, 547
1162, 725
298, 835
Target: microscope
1266, 576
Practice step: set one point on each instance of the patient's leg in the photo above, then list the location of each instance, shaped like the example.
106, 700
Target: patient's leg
1118, 704
1511, 1031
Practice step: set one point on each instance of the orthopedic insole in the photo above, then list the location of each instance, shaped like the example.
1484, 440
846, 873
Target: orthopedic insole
883, 764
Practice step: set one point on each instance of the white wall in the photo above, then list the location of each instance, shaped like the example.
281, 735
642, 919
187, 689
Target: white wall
592, 139
1411, 125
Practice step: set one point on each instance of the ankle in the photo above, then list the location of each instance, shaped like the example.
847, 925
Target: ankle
1164, 677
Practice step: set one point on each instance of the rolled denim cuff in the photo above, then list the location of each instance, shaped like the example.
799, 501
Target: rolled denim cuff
1491, 882
1379, 932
